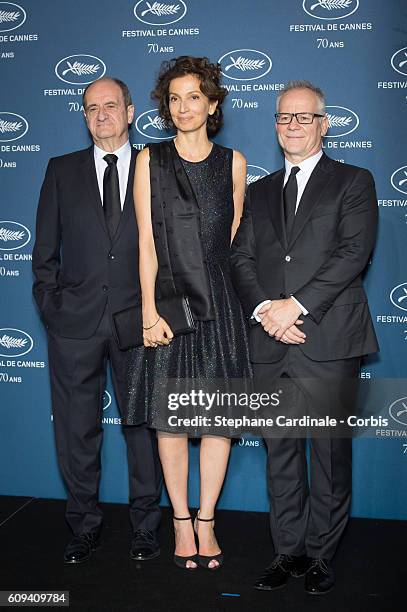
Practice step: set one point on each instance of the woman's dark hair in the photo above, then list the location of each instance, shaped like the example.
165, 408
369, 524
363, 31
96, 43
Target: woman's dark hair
209, 76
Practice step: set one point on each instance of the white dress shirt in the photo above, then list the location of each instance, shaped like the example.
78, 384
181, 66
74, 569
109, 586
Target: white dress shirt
306, 168
123, 166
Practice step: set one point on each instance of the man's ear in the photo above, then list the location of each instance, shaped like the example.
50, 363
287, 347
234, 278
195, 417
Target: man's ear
324, 125
130, 113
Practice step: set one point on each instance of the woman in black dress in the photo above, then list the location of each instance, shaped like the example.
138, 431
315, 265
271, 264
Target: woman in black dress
199, 188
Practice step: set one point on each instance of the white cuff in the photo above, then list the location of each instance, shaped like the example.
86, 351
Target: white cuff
303, 310
256, 310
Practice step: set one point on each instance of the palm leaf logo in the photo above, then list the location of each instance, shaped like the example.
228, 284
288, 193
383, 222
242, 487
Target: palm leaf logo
9, 16
157, 123
252, 178
400, 183
401, 64
161, 9
337, 121
402, 297
7, 235
331, 5
10, 342
400, 412
10, 126
242, 63
79, 68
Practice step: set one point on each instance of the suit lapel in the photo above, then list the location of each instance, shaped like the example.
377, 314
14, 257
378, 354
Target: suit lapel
313, 192
128, 207
276, 206
91, 182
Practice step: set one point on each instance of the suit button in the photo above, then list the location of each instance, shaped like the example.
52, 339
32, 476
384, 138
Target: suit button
105, 288
282, 295
287, 258
111, 256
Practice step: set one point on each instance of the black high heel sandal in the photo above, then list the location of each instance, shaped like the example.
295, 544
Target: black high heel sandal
204, 560
181, 561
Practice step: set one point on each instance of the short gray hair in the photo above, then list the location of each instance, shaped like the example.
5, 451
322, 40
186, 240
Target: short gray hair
124, 89
303, 85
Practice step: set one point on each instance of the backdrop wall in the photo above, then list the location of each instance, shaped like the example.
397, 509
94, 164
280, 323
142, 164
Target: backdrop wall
356, 50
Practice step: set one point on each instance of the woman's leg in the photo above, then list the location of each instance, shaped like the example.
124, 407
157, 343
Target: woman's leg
214, 458
173, 449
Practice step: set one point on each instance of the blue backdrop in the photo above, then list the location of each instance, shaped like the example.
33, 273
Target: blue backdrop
356, 50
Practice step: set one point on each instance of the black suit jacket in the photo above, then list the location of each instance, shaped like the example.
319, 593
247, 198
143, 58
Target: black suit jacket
77, 268
321, 265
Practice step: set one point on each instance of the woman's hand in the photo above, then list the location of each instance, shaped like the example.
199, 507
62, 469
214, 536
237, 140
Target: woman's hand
158, 334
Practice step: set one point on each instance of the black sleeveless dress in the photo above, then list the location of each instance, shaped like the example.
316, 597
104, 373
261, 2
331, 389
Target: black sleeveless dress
218, 349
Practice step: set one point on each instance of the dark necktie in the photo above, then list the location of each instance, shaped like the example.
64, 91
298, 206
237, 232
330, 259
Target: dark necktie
290, 200
111, 194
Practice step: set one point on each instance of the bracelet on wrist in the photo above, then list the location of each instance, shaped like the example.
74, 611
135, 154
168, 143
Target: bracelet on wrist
151, 326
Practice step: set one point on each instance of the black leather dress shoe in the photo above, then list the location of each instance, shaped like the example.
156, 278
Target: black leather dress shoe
281, 568
81, 547
320, 577
144, 545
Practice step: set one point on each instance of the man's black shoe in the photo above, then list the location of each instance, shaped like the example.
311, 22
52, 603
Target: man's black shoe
144, 545
81, 547
277, 574
320, 577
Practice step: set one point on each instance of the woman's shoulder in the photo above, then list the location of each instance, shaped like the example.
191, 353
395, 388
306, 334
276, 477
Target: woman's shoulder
143, 155
159, 150
239, 164
221, 148
158, 146
222, 153
154, 152
234, 154
238, 158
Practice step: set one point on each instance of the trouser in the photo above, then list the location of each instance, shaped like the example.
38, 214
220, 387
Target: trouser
78, 377
309, 504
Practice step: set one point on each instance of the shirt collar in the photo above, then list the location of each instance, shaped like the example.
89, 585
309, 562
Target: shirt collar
123, 151
307, 165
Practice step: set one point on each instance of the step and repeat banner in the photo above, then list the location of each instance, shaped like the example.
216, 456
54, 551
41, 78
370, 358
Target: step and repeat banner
355, 50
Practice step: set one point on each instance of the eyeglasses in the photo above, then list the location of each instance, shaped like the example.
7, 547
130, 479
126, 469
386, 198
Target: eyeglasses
286, 118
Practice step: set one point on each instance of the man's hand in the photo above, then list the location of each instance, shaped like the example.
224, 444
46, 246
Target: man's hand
293, 335
278, 316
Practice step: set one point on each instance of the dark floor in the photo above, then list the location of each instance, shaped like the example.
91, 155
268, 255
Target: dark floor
370, 565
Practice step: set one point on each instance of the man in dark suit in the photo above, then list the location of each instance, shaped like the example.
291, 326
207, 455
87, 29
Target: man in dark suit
297, 260
85, 263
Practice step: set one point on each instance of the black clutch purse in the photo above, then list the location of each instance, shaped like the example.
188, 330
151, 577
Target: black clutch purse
128, 323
